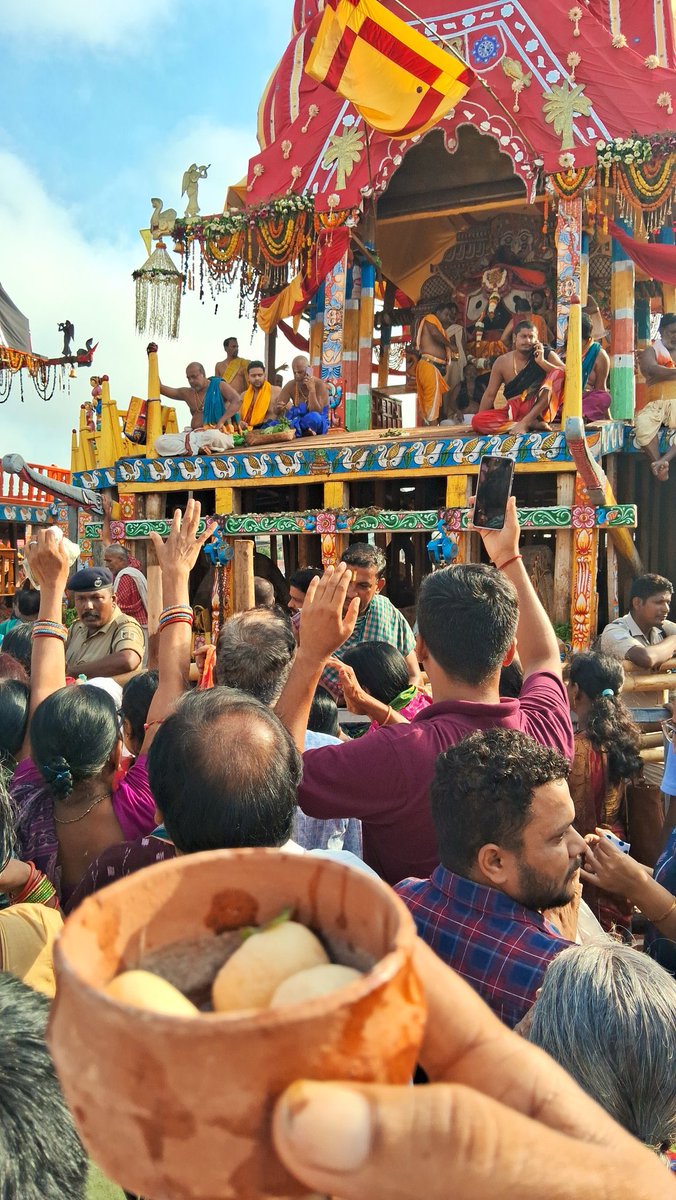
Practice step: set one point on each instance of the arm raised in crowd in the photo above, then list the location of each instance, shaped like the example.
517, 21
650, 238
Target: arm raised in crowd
536, 640
176, 557
499, 1117
325, 627
50, 568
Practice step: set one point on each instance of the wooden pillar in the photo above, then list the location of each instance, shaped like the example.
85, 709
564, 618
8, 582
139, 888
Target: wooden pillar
612, 581
584, 600
667, 238
568, 256
154, 406
243, 576
386, 334
155, 508
642, 322
458, 492
270, 352
317, 329
563, 551
110, 439
365, 356
622, 332
584, 267
336, 495
335, 286
351, 345
572, 387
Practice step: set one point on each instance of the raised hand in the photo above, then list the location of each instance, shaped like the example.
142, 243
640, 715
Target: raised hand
327, 620
181, 550
502, 544
48, 560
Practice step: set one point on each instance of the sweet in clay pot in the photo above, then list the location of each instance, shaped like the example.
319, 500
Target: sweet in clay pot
178, 1108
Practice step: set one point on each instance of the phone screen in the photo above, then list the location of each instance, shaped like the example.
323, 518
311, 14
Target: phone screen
493, 491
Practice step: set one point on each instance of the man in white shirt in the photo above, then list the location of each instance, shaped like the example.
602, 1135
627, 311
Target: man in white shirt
647, 639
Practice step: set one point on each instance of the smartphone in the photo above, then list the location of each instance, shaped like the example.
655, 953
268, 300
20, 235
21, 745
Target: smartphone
493, 491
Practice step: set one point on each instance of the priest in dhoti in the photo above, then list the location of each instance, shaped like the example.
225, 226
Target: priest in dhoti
432, 356
658, 363
525, 387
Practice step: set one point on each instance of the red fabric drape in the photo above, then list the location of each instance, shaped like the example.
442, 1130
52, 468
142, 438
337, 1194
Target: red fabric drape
656, 259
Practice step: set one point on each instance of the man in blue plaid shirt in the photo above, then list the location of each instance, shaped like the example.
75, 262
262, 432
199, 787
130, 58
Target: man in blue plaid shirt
503, 815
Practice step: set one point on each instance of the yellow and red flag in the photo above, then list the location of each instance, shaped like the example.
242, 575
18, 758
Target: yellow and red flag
400, 82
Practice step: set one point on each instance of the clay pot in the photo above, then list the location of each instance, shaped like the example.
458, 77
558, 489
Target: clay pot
178, 1108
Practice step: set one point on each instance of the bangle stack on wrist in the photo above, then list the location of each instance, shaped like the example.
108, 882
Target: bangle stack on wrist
55, 629
175, 614
36, 890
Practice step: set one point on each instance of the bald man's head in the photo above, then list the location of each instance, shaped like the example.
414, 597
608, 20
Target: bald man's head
301, 368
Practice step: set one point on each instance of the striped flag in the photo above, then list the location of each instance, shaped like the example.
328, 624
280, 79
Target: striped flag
400, 82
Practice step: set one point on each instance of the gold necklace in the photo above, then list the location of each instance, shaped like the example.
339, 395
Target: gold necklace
74, 820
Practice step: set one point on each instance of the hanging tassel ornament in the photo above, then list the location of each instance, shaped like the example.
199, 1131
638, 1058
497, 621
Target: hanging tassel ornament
545, 214
158, 295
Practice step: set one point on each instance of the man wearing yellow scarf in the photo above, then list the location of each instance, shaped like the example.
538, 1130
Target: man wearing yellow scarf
260, 408
232, 368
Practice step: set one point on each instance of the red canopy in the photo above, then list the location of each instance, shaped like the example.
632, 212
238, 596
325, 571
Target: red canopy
524, 54
656, 259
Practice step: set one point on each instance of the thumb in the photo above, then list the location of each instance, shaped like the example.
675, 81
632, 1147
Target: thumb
373, 1142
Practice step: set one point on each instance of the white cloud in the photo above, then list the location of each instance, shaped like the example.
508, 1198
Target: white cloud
52, 272
104, 26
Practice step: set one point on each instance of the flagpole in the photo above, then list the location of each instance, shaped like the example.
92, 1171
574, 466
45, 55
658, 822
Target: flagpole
447, 46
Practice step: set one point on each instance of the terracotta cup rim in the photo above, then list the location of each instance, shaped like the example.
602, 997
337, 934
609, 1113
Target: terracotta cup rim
384, 969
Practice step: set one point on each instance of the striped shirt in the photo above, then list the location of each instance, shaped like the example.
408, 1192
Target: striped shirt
381, 622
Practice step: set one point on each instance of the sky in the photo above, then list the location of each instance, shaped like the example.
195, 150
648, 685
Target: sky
101, 107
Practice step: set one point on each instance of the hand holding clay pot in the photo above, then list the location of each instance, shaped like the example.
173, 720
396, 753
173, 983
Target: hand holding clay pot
179, 1107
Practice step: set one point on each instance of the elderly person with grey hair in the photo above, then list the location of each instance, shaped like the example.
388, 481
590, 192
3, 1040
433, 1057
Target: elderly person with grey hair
607, 1014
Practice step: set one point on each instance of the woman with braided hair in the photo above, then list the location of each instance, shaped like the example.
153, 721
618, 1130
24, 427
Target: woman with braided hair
606, 759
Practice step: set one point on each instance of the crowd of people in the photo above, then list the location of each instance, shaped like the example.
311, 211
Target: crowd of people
470, 777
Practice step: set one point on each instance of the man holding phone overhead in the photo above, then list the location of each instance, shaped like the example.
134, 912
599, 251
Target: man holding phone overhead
530, 378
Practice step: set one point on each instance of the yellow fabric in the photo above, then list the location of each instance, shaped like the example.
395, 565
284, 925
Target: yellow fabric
233, 368
283, 305
407, 248
27, 935
255, 405
429, 389
385, 92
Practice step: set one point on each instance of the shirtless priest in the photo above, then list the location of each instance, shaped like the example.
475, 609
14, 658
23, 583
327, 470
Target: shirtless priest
212, 403
306, 400
530, 377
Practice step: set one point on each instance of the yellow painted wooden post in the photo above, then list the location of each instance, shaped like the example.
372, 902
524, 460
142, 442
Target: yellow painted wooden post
572, 388
154, 405
110, 439
458, 490
336, 495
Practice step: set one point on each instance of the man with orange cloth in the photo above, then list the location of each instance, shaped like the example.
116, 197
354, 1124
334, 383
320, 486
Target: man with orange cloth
530, 378
433, 354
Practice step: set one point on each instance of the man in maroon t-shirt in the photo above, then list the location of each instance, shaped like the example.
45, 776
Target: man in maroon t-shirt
470, 619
